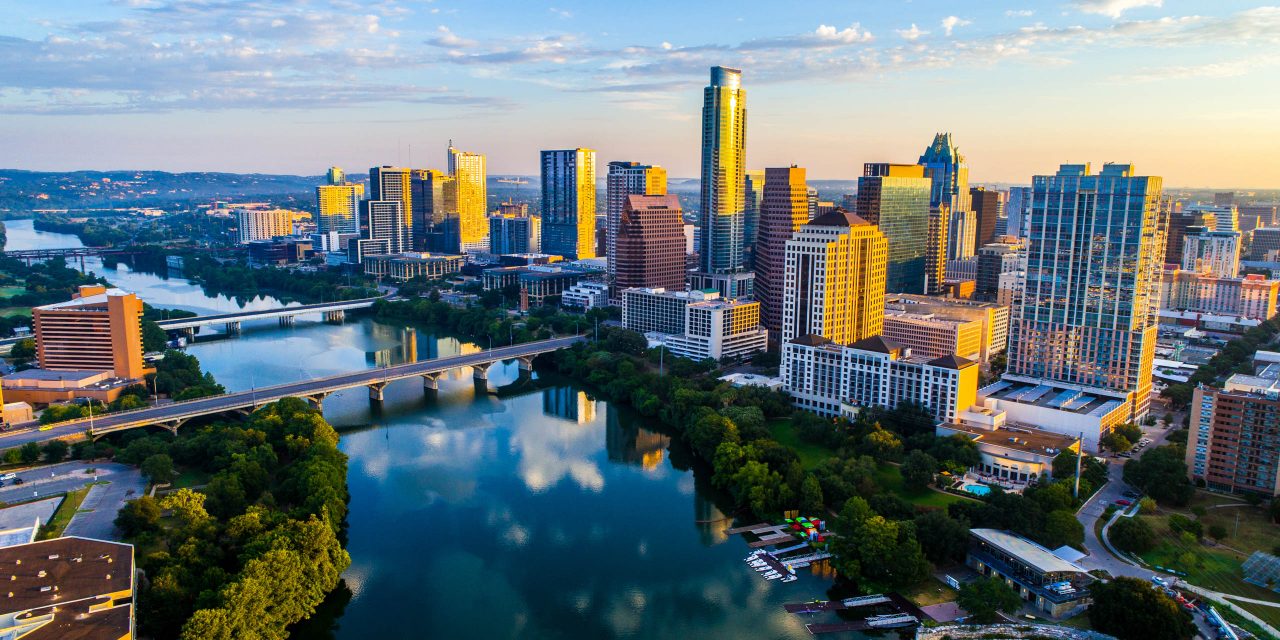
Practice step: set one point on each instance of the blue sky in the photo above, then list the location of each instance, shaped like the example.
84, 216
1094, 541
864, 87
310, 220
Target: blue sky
1187, 90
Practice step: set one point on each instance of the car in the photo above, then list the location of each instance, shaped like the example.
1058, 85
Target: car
1132, 494
1126, 455
8, 476
1123, 503
18, 481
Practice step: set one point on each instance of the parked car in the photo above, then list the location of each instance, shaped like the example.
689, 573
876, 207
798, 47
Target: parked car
18, 481
8, 476
1123, 503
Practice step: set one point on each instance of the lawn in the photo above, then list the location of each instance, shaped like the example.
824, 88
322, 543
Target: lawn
190, 479
15, 311
929, 592
62, 516
1269, 614
811, 455
889, 477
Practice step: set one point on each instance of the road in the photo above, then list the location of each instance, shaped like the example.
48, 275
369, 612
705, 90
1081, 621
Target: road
177, 411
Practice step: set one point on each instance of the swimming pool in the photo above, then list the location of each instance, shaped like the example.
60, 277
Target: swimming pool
977, 489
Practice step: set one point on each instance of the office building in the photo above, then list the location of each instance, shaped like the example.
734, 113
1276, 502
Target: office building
783, 210
569, 203
1235, 434
895, 198
932, 336
1252, 296
337, 206
1266, 214
626, 179
695, 324
1179, 222
68, 588
335, 176
935, 259
1213, 252
1004, 255
753, 198
98, 330
542, 281
961, 231
1226, 217
949, 175
262, 224
382, 224
471, 180
962, 269
395, 184
1265, 244
1019, 203
831, 379
585, 296
649, 249
513, 231
723, 201
833, 284
993, 317
281, 250
402, 267
988, 207
1086, 320
1049, 584
435, 225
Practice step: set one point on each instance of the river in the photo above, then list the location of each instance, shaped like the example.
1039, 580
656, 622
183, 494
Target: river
547, 514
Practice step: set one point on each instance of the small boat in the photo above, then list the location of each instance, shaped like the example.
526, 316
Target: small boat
789, 579
772, 576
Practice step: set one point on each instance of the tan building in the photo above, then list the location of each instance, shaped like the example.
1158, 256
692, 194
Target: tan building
41, 386
834, 282
783, 209
263, 224
1011, 455
934, 336
68, 588
99, 330
994, 317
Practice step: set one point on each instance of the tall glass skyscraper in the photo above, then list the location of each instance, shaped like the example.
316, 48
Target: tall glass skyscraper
569, 203
895, 198
949, 172
1086, 317
723, 205
470, 177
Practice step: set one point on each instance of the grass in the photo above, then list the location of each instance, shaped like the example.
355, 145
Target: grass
190, 479
15, 311
62, 516
929, 592
889, 477
1270, 615
811, 455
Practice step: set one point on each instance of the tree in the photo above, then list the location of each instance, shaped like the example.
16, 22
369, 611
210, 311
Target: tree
1062, 528
138, 516
1162, 474
55, 451
1116, 442
1217, 532
158, 468
1129, 431
983, 598
1131, 609
918, 470
24, 349
811, 494
943, 539
1132, 534
29, 453
882, 445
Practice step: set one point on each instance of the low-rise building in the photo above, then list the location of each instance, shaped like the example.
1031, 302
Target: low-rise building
1011, 453
1068, 410
993, 316
41, 386
695, 324
934, 336
281, 250
585, 296
1049, 583
1234, 440
407, 266
539, 282
68, 587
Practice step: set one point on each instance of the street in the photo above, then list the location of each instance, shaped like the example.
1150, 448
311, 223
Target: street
97, 514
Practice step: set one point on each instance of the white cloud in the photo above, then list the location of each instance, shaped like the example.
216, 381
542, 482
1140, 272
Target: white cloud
563, 13
949, 23
666, 45
911, 34
447, 39
1019, 13
1114, 8
849, 35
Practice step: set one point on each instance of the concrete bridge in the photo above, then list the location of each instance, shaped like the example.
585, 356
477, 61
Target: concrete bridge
332, 312
174, 415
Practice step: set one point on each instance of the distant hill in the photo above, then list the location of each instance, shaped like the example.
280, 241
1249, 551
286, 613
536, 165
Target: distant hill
29, 190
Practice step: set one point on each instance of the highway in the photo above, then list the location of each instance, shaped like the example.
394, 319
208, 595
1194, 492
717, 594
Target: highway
173, 414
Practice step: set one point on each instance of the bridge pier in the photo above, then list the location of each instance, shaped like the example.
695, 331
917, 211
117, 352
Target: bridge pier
431, 382
233, 329
481, 371
287, 321
335, 317
375, 390
526, 363
318, 401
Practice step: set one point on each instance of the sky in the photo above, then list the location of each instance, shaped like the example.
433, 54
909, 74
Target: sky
1188, 90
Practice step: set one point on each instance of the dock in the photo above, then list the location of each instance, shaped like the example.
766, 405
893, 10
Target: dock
751, 528
764, 542
905, 613
889, 621
837, 605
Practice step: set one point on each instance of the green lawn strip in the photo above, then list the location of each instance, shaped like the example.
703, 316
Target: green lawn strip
189, 479
62, 516
929, 591
1213, 568
1270, 615
811, 455
889, 477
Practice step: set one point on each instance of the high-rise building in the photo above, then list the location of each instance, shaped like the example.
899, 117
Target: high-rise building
1215, 252
1016, 210
1179, 222
337, 206
395, 184
783, 210
1266, 213
988, 207
434, 220
995, 259
98, 330
949, 174
961, 231
1226, 217
471, 179
811, 201
833, 286
335, 176
935, 260
381, 230
723, 201
512, 230
1251, 297
1086, 320
1232, 443
1265, 244
650, 244
262, 224
753, 198
626, 179
895, 198
569, 203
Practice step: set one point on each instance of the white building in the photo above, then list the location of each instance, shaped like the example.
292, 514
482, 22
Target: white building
1215, 252
1253, 296
263, 224
586, 295
695, 324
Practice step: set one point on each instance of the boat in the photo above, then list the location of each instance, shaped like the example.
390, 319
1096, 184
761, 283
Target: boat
790, 578
772, 576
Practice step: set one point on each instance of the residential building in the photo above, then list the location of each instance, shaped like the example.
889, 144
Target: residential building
402, 267
753, 199
1011, 455
434, 223
395, 184
811, 201
782, 211
381, 230
695, 324
69, 588
627, 179
335, 175
1086, 320
1253, 296
723, 201
1048, 583
1009, 288
337, 206
98, 330
833, 284
586, 296
1004, 255
1235, 434
1226, 216
262, 224
935, 260
993, 317
471, 181
1214, 252
569, 203
512, 231
832, 379
933, 336
1180, 220
988, 207
1016, 209
895, 198
649, 248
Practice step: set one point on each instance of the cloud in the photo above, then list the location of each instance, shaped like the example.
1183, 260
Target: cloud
1222, 69
1114, 8
911, 34
562, 13
1019, 13
849, 35
949, 23
447, 39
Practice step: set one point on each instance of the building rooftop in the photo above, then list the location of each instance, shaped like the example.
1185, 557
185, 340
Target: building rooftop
97, 299
879, 344
1051, 396
65, 577
838, 218
1027, 551
1016, 437
951, 361
45, 375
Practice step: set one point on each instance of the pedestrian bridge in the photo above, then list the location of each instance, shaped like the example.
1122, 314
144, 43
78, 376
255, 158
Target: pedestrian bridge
332, 312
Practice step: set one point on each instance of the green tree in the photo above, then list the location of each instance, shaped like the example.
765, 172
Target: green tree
29, 453
1116, 442
1130, 609
811, 494
24, 349
944, 540
1132, 534
158, 468
138, 516
983, 598
188, 505
1062, 528
918, 470
153, 337
55, 450
882, 445
1162, 474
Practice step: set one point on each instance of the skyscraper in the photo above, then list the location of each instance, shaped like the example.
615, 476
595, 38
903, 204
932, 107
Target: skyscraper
947, 169
895, 198
468, 171
1087, 318
833, 287
335, 175
1179, 223
783, 209
513, 230
987, 208
1016, 209
962, 229
1215, 252
382, 231
753, 196
995, 259
649, 251
935, 259
569, 203
435, 225
388, 183
626, 179
337, 206
724, 134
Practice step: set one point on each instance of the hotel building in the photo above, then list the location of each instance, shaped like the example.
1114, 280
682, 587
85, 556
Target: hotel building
337, 206
262, 224
99, 330
833, 285
695, 324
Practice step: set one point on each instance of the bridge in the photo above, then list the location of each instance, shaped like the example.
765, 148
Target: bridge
31, 255
174, 415
332, 312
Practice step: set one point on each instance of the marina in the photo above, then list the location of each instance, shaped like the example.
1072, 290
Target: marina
903, 613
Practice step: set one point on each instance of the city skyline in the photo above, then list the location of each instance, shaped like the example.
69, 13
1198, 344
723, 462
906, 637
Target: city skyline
831, 89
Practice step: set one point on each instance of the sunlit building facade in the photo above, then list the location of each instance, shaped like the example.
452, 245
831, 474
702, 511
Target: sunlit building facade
395, 184
723, 201
833, 284
470, 176
569, 203
337, 206
627, 179
783, 210
895, 198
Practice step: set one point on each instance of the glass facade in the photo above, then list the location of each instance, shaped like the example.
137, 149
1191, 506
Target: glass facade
724, 132
899, 206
